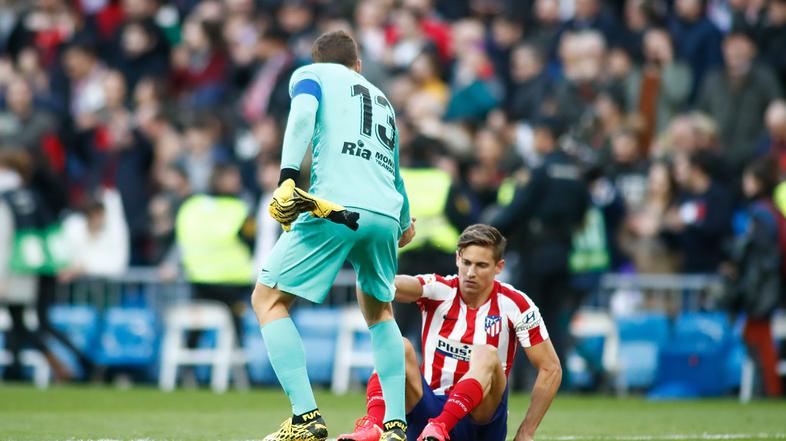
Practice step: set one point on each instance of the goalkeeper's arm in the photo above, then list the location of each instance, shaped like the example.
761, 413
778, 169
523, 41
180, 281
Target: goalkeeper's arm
300, 127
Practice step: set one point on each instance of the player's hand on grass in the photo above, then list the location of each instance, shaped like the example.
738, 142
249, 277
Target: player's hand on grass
407, 236
522, 436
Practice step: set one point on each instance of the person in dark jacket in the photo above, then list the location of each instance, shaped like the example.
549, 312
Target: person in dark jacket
756, 269
701, 220
529, 85
772, 39
699, 39
549, 208
141, 51
747, 88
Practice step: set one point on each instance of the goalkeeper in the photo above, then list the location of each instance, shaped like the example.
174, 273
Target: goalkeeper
351, 127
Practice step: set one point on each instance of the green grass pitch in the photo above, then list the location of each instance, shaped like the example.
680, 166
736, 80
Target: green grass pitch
143, 413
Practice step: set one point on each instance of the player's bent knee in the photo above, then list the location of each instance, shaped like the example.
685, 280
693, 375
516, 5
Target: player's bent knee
264, 299
484, 359
485, 356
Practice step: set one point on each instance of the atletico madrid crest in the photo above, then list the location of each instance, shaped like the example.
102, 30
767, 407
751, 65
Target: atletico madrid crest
493, 325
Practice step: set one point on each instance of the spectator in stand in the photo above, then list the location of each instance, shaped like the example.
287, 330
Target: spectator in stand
746, 14
474, 86
609, 118
174, 189
659, 90
26, 211
199, 65
757, 270
202, 150
85, 72
267, 229
297, 19
589, 15
545, 32
748, 89
699, 40
640, 16
408, 41
45, 24
20, 213
370, 32
640, 236
582, 56
529, 83
140, 52
425, 72
370, 29
505, 33
437, 31
214, 242
679, 137
241, 34
97, 238
628, 167
699, 224
268, 92
22, 122
31, 69
774, 141
772, 39
470, 195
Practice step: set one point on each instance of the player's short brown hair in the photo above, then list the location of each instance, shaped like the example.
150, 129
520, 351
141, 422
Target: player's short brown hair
335, 47
483, 236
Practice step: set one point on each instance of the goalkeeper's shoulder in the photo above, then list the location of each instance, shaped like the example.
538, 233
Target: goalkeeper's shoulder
306, 72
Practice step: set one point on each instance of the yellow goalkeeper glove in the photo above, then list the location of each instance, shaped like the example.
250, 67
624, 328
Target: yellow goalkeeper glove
283, 207
289, 201
329, 210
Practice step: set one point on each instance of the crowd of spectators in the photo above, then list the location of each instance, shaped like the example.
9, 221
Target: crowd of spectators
672, 110
664, 103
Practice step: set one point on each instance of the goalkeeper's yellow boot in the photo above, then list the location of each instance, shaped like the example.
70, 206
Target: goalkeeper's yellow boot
394, 431
309, 427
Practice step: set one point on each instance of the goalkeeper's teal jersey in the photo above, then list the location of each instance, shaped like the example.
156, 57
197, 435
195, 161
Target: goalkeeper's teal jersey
355, 145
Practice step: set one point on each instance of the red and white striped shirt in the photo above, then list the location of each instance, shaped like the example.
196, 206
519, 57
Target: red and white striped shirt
451, 329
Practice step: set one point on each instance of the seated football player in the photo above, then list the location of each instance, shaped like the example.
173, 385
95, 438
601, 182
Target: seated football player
472, 324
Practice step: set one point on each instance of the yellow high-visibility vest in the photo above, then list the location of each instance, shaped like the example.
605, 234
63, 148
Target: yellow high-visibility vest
207, 232
428, 190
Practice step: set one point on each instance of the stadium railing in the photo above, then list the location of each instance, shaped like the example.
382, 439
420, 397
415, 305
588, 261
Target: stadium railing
669, 294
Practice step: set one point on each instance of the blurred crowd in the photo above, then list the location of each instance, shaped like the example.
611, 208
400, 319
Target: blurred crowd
668, 114
147, 97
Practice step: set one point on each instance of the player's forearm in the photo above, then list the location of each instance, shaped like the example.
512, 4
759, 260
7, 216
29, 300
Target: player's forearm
404, 217
299, 131
408, 289
543, 392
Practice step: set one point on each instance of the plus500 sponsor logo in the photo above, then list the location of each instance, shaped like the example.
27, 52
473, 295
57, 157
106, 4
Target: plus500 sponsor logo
459, 351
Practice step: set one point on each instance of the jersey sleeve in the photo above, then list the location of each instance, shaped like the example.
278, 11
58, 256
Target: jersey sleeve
436, 287
304, 80
306, 92
529, 327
